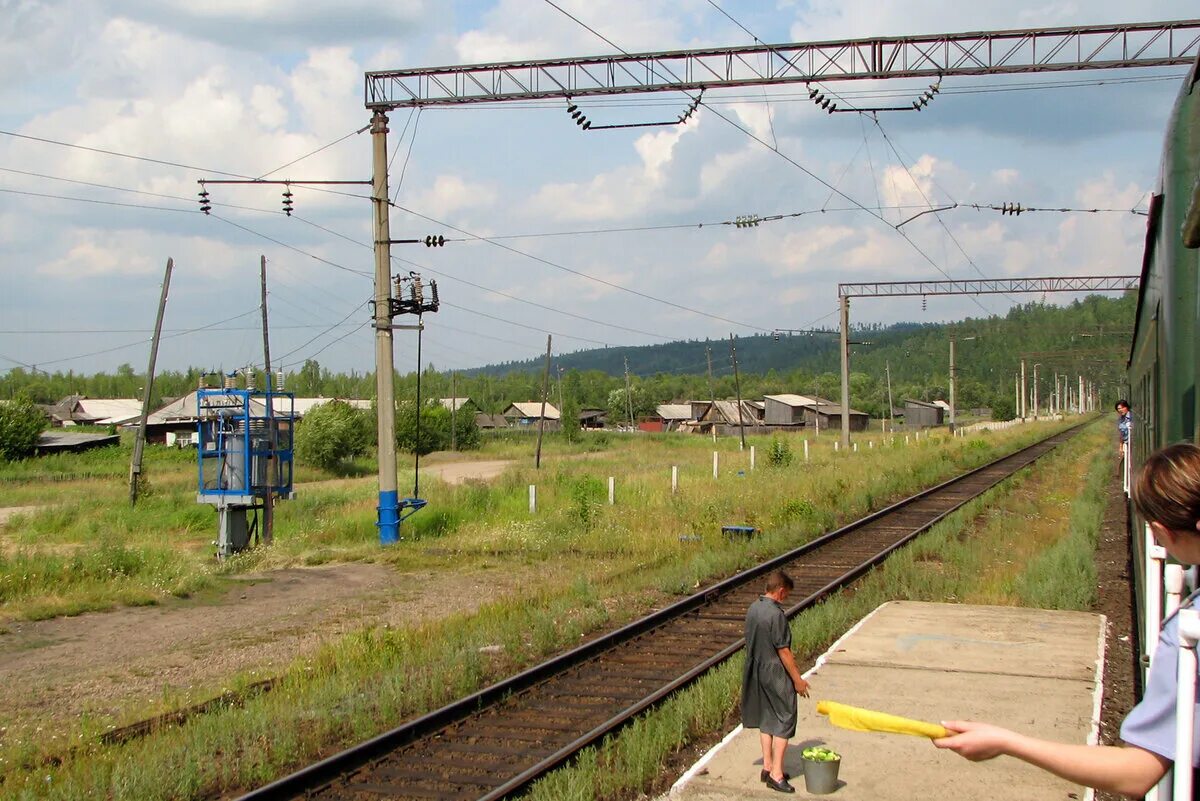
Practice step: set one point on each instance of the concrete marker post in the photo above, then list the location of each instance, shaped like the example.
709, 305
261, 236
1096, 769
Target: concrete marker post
806, 450
716, 463
674, 479
751, 457
533, 499
612, 490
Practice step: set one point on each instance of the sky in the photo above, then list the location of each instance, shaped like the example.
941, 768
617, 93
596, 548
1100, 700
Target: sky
254, 87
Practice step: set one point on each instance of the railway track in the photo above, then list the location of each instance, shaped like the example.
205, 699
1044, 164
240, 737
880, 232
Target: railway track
495, 742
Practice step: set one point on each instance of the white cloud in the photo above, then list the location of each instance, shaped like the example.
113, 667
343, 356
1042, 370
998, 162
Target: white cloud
451, 194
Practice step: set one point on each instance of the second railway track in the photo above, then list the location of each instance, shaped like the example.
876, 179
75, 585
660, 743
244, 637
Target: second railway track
495, 742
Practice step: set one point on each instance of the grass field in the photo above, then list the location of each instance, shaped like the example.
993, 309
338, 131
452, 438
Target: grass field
625, 557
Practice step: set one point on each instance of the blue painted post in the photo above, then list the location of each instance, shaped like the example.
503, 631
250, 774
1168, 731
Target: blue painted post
389, 517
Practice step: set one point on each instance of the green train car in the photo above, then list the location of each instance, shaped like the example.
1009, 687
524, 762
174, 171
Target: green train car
1165, 357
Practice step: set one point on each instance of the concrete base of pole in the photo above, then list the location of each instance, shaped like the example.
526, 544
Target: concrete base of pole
389, 517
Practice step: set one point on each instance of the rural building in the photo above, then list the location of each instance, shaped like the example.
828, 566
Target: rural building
945, 407
523, 415
175, 423
490, 422
454, 404
592, 418
726, 417
919, 414
667, 417
786, 410
760, 409
80, 410
828, 415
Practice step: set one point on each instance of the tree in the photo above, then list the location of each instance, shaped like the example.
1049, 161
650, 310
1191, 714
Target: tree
435, 428
332, 433
570, 405
21, 422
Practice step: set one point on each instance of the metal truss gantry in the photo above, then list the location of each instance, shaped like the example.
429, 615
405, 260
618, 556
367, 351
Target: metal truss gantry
984, 286
1091, 47
991, 286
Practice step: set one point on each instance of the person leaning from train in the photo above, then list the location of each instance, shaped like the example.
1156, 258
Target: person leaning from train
1124, 424
771, 680
1166, 493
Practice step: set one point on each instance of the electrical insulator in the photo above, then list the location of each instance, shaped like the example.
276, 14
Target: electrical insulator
287, 201
435, 241
1011, 208
418, 292
434, 292
924, 303
279, 381
205, 206
832, 108
776, 335
812, 93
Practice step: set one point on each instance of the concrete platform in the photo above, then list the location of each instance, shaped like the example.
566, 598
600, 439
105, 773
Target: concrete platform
1032, 670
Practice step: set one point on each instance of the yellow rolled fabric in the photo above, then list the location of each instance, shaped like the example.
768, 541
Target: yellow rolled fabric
856, 719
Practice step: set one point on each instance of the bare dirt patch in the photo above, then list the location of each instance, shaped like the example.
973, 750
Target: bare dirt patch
459, 472
127, 663
12, 511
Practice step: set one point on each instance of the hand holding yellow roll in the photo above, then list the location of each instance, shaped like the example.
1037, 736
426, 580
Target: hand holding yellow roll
856, 719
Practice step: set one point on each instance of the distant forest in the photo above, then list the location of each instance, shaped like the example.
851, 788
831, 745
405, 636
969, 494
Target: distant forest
1089, 337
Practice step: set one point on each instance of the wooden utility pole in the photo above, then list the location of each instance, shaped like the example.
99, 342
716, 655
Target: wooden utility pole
139, 442
537, 459
268, 532
737, 385
712, 394
454, 411
628, 395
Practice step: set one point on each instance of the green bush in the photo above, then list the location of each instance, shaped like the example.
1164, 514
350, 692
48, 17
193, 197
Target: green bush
779, 454
435, 430
332, 433
21, 423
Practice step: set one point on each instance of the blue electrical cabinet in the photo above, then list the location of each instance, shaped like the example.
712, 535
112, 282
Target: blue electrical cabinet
244, 457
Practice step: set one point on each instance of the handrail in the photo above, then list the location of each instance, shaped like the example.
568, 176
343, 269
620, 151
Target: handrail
1185, 704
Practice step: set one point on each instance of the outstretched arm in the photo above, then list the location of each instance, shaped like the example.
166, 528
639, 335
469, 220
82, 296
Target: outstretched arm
1129, 770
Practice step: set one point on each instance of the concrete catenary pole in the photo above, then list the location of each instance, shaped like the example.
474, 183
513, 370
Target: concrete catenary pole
385, 392
712, 394
887, 369
845, 345
1024, 391
268, 517
139, 442
951, 384
1035, 390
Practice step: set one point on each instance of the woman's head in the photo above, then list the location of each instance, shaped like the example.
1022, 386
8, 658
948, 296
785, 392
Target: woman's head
1167, 490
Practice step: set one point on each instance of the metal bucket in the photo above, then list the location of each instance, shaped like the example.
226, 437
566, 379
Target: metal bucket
821, 778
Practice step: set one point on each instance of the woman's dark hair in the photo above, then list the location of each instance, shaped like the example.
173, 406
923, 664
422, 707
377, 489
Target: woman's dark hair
1167, 489
1122, 402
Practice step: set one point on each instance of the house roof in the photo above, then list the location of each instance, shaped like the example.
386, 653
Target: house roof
911, 402
792, 400
943, 404
101, 411
183, 409
532, 409
454, 404
728, 410
836, 410
674, 411
485, 420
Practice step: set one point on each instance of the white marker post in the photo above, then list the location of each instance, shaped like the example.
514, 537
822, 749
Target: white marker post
674, 479
854, 445
751, 457
806, 450
532, 499
835, 445
612, 490
716, 462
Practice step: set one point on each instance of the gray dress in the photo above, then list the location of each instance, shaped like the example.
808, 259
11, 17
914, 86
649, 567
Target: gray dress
768, 695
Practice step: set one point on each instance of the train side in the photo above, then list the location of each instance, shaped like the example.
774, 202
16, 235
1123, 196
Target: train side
1165, 357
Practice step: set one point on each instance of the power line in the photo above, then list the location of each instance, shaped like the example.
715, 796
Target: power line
488, 289
98, 202
579, 273
326, 331
315, 152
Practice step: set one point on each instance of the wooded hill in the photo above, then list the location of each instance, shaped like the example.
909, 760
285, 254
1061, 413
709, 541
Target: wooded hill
1089, 337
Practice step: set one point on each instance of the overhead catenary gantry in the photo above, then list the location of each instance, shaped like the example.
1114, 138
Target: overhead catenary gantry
1061, 49
982, 286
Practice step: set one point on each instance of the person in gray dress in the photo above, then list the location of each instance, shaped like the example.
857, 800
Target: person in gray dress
771, 680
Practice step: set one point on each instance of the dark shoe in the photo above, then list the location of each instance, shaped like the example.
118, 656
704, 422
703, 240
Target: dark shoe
780, 787
764, 775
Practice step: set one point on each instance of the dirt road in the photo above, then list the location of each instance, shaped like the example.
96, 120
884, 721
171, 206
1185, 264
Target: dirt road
120, 663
